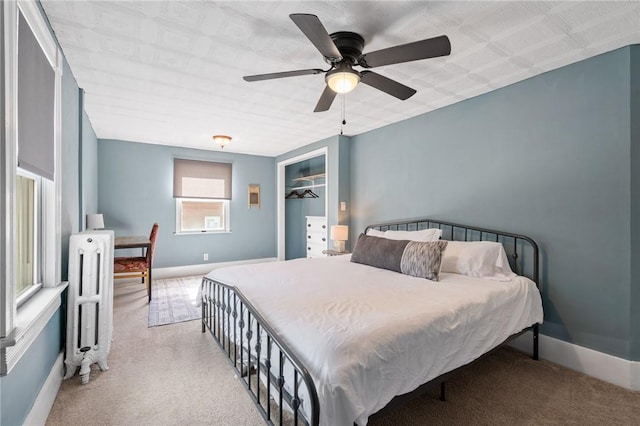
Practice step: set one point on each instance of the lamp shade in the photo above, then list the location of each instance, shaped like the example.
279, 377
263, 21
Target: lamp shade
342, 79
95, 221
340, 232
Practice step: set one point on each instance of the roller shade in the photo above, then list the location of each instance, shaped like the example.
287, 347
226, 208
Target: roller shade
201, 179
36, 105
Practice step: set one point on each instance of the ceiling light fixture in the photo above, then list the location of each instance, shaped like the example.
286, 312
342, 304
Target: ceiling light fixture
342, 79
222, 140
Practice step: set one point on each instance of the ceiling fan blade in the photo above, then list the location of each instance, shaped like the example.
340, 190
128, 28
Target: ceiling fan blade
424, 49
311, 26
387, 85
271, 76
326, 99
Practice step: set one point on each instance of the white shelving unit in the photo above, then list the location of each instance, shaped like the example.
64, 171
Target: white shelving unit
310, 178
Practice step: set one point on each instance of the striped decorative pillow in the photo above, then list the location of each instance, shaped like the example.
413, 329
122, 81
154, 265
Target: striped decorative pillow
418, 259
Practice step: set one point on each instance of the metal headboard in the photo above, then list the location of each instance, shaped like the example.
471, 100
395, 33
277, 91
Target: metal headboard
521, 250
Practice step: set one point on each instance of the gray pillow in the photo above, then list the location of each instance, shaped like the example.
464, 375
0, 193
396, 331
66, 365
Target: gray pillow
418, 259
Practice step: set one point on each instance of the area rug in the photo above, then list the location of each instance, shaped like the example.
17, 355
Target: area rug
174, 300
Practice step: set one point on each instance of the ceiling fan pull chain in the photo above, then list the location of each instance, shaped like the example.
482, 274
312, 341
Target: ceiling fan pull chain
344, 121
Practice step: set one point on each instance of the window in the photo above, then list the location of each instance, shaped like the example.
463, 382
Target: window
200, 215
202, 190
30, 79
28, 224
36, 156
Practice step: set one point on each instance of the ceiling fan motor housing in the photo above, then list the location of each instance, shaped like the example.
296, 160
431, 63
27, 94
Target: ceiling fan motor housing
349, 44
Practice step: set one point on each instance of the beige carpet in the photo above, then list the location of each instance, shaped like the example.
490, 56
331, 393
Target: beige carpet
169, 375
176, 375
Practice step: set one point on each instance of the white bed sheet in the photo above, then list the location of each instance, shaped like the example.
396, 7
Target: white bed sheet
368, 334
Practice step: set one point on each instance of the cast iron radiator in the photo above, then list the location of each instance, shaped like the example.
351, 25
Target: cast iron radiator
89, 302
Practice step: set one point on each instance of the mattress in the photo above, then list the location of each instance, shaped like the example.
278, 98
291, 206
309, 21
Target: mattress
368, 334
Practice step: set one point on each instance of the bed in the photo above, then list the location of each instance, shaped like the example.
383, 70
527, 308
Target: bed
331, 341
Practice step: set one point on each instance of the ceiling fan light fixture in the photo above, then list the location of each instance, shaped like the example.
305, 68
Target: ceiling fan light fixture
342, 79
222, 140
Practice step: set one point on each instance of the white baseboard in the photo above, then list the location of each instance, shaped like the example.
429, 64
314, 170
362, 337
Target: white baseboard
635, 375
602, 366
47, 395
201, 269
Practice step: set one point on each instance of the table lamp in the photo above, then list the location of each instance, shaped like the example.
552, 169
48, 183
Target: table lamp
339, 234
95, 221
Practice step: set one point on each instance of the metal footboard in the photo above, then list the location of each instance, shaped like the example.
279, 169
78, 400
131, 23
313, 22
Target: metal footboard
244, 335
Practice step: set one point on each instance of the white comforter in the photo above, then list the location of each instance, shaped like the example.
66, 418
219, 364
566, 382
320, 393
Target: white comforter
368, 334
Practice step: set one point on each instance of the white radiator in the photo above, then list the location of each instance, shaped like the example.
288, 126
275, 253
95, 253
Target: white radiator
89, 302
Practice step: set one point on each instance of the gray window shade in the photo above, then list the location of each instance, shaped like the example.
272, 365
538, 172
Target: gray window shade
201, 179
36, 105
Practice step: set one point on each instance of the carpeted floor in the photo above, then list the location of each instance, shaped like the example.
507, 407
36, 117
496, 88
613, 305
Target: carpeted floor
174, 300
177, 375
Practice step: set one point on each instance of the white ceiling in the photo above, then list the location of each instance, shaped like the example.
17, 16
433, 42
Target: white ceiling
170, 72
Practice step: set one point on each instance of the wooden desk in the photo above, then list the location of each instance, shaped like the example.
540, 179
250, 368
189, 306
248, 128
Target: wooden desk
132, 242
142, 242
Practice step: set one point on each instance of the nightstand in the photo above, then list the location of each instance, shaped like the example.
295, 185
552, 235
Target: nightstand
334, 253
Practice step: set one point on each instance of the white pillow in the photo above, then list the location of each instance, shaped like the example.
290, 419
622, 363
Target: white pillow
375, 233
477, 259
424, 235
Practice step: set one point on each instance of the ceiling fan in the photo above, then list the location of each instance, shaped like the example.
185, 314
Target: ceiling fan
342, 50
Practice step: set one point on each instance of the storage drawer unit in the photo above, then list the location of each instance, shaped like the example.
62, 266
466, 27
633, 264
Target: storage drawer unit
316, 236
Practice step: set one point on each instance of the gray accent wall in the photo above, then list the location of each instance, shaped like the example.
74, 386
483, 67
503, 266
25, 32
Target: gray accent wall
548, 157
135, 189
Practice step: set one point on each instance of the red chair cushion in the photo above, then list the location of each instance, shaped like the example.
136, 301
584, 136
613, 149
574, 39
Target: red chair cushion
125, 264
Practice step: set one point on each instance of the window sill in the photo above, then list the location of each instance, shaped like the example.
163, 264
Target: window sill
201, 232
33, 316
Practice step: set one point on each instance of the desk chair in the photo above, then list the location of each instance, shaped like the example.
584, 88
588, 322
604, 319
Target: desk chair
137, 267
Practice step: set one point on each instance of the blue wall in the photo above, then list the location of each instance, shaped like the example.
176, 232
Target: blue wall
27, 378
297, 209
635, 202
547, 157
135, 189
89, 171
20, 388
338, 175
70, 163
79, 164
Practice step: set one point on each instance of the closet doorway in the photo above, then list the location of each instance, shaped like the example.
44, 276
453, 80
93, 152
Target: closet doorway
303, 184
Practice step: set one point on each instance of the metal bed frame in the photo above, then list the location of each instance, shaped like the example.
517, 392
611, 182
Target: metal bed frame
232, 321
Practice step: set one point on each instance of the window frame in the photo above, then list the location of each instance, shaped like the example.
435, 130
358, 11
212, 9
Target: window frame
227, 219
20, 326
38, 238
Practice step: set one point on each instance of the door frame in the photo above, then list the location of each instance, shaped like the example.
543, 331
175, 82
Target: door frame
280, 193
